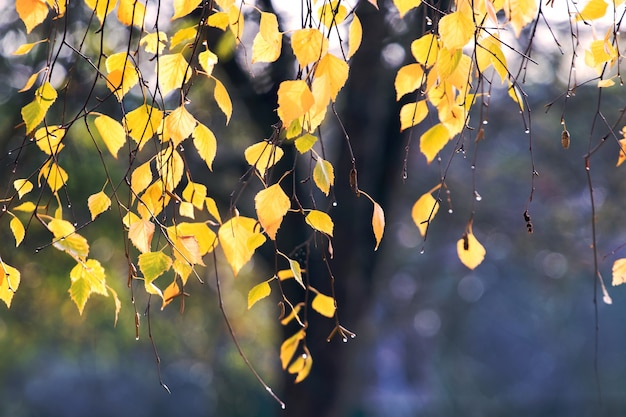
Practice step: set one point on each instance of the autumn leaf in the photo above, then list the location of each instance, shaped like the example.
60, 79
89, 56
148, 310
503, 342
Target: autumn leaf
263, 155
405, 5
234, 236
433, 141
87, 278
424, 211
205, 143
31, 12
456, 30
179, 125
302, 366
170, 167
211, 207
223, 99
205, 237
153, 265
521, 12
412, 114
143, 123
17, 228
101, 7
619, 271
305, 142
55, 176
378, 223
183, 36
49, 139
258, 292
98, 203
174, 71
622, 152
23, 187
112, 133
25, 48
195, 193
334, 72
154, 43
130, 12
309, 45
153, 200
594, 9
141, 178
289, 346
9, 282
324, 305
294, 100
121, 74
332, 13
236, 22
355, 36
34, 112
408, 79
267, 43
207, 60
323, 175
470, 251
271, 206
140, 234
320, 221
425, 49
184, 7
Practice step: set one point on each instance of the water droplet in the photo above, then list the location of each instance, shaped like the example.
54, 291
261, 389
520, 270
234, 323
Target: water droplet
137, 338
527, 131
334, 204
69, 205
485, 122
450, 211
422, 251
4, 208
352, 336
478, 196
472, 166
36, 250
182, 149
404, 175
9, 152
344, 340
429, 21
282, 406
75, 224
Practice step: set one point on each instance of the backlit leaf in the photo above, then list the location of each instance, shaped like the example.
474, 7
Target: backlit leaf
153, 265
141, 178
183, 36
267, 43
301, 365
470, 251
112, 133
521, 13
186, 209
98, 203
378, 223
263, 155
27, 47
122, 74
9, 282
31, 12
195, 193
55, 176
234, 236
153, 200
211, 207
433, 141
205, 143
204, 236
49, 139
355, 35
308, 45
174, 71
30, 82
405, 5
320, 221
101, 7
179, 125
409, 78
593, 10
289, 346
619, 271
489, 52
143, 123
170, 293
66, 240
154, 43
170, 167
140, 234
17, 228
236, 22
218, 20
324, 305
131, 12
425, 49
305, 142
23, 187
334, 71
622, 152
456, 30
184, 7
323, 175
26, 207
207, 60
223, 99
87, 277
424, 211
258, 292
332, 13
294, 100
34, 112
271, 206
412, 114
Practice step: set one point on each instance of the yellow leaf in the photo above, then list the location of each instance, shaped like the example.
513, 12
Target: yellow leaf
141, 178
355, 35
18, 230
378, 223
34, 112
55, 176
470, 251
258, 292
302, 364
236, 22
112, 133
154, 43
295, 271
520, 13
294, 100
332, 13
223, 99
293, 315
195, 194
31, 12
405, 5
129, 218
49, 139
320, 221
140, 234
205, 143
170, 293
98, 203
594, 9
267, 43
324, 305
263, 155
599, 53
153, 265
204, 236
425, 49
23, 187
184, 7
122, 74
101, 7
30, 82
66, 240
323, 175
622, 152
185, 209
153, 200
27, 47
334, 71
456, 30
234, 236
447, 62
606, 83
489, 52
516, 95
271, 206
289, 347
170, 167
86, 278
619, 271
179, 125
26, 207
207, 60
316, 114
409, 78
131, 12
412, 113
211, 207
433, 141
184, 35
9, 282
143, 123
305, 142
174, 71
309, 45
424, 211
218, 20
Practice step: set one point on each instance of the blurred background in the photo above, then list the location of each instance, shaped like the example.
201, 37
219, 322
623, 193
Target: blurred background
518, 336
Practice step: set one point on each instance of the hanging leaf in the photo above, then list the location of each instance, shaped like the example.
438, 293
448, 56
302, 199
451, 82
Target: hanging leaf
87, 278
211, 207
205, 143
355, 36
26, 207
218, 20
408, 79
424, 211
101, 7
470, 251
49, 139
333, 71
223, 99
153, 200
9, 282
207, 60
27, 47
234, 236
258, 292
289, 347
98, 203
302, 366
271, 206
141, 178
31, 12
619, 271
425, 49
412, 114
433, 141
140, 234
130, 12
179, 125
55, 176
174, 71
594, 9
205, 237
263, 155
183, 36
236, 22
305, 142
267, 43
111, 132
23, 187
296, 271
320, 221
17, 228
622, 152
195, 194
294, 100
405, 5
121, 74
170, 293
323, 175
332, 13
309, 45
185, 209
143, 123
378, 223
521, 12
184, 7
324, 305
153, 265
456, 30
154, 43
34, 112
170, 167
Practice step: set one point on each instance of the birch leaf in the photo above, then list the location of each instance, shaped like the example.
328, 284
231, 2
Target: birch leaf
271, 206
323, 175
98, 203
324, 305
470, 251
320, 221
258, 292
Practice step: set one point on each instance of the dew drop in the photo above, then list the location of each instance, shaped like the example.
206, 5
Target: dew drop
137, 338
478, 196
4, 208
75, 224
527, 131
429, 21
334, 204
404, 175
182, 149
472, 167
352, 336
344, 340
485, 122
422, 251
36, 250
450, 211
9, 152
282, 406
69, 205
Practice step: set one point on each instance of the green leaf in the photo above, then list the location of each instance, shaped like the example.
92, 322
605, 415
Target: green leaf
87, 277
153, 265
305, 142
34, 112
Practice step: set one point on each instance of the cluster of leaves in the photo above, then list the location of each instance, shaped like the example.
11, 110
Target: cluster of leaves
168, 216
